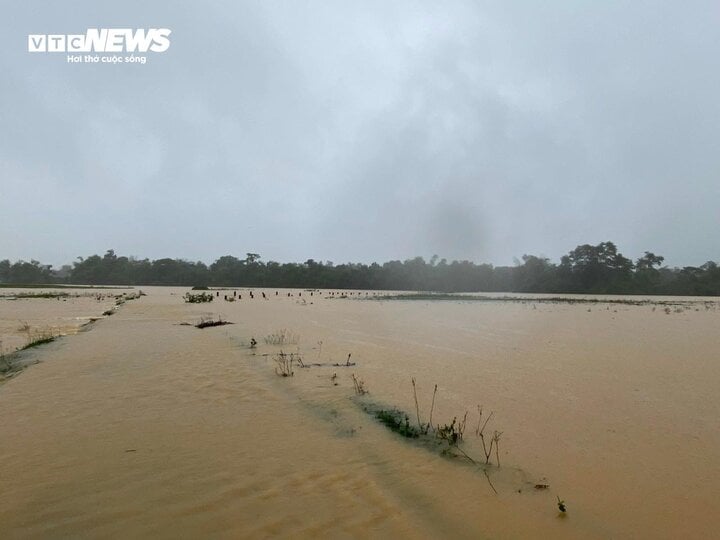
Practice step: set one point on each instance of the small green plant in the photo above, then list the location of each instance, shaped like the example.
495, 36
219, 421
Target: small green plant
454, 432
449, 433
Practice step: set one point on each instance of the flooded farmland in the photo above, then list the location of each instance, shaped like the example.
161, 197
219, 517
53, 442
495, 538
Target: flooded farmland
145, 426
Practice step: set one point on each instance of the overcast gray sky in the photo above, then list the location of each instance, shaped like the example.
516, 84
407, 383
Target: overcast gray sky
365, 130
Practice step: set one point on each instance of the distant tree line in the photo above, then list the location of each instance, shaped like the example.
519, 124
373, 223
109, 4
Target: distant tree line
599, 269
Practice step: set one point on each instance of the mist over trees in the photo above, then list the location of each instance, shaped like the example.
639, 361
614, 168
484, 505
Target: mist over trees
599, 269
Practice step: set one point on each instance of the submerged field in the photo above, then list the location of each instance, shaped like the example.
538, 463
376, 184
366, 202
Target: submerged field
148, 426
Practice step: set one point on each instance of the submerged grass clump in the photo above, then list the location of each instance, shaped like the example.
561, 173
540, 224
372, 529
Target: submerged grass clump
447, 437
397, 421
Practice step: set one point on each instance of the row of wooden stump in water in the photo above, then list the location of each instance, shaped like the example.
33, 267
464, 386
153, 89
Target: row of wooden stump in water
236, 296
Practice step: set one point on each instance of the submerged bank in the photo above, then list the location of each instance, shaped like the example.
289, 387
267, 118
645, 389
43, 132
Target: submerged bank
147, 427
27, 326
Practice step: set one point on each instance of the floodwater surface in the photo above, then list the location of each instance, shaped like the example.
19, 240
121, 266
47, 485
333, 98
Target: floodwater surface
145, 426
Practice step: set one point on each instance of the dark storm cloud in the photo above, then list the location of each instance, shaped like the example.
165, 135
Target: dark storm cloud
366, 131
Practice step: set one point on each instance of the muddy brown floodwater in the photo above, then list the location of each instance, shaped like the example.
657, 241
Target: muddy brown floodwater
146, 427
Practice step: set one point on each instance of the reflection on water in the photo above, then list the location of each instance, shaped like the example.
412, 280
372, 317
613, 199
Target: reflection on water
145, 427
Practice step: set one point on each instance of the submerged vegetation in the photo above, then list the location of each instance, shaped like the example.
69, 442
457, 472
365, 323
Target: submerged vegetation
35, 337
209, 322
588, 269
13, 362
397, 421
10, 362
38, 339
448, 437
